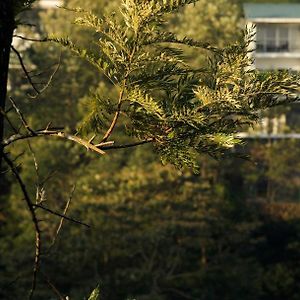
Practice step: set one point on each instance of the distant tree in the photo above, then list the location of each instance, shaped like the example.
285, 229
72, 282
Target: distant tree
218, 22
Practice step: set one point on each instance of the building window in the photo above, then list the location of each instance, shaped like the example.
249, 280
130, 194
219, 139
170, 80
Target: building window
272, 38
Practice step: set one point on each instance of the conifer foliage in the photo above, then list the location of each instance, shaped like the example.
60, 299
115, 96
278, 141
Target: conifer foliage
183, 111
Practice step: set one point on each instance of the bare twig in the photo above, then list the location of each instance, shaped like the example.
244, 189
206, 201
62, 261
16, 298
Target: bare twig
42, 72
54, 133
27, 24
109, 147
35, 221
36, 165
21, 116
31, 39
48, 177
110, 143
39, 195
60, 134
60, 215
9, 109
2, 112
64, 213
51, 77
53, 287
29, 77
17, 156
25, 70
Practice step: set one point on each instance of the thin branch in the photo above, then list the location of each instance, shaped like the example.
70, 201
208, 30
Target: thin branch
54, 133
39, 195
40, 83
51, 77
29, 77
21, 116
53, 287
35, 221
115, 119
60, 215
57, 133
27, 24
117, 113
36, 165
25, 70
101, 145
33, 73
31, 39
126, 145
64, 213
9, 109
8, 120
48, 177
8, 285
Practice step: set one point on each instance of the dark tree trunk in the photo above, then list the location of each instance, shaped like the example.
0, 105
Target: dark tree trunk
7, 26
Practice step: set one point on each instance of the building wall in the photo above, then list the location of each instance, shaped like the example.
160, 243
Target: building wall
275, 61
283, 34
295, 37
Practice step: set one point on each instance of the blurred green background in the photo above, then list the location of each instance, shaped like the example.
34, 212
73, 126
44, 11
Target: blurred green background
229, 233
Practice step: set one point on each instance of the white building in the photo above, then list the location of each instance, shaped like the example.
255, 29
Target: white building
277, 38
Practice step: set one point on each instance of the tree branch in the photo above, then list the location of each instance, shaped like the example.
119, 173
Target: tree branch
110, 147
21, 116
54, 133
64, 213
31, 39
35, 221
51, 77
115, 119
60, 215
4, 114
24, 69
29, 78
53, 287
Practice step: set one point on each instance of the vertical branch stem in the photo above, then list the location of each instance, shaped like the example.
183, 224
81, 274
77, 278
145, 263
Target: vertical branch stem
35, 221
115, 119
117, 114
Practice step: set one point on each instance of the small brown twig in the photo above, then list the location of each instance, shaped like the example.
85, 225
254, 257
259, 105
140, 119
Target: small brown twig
115, 119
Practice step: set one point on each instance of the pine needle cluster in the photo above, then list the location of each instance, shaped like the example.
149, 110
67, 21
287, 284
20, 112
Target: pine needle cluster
184, 111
